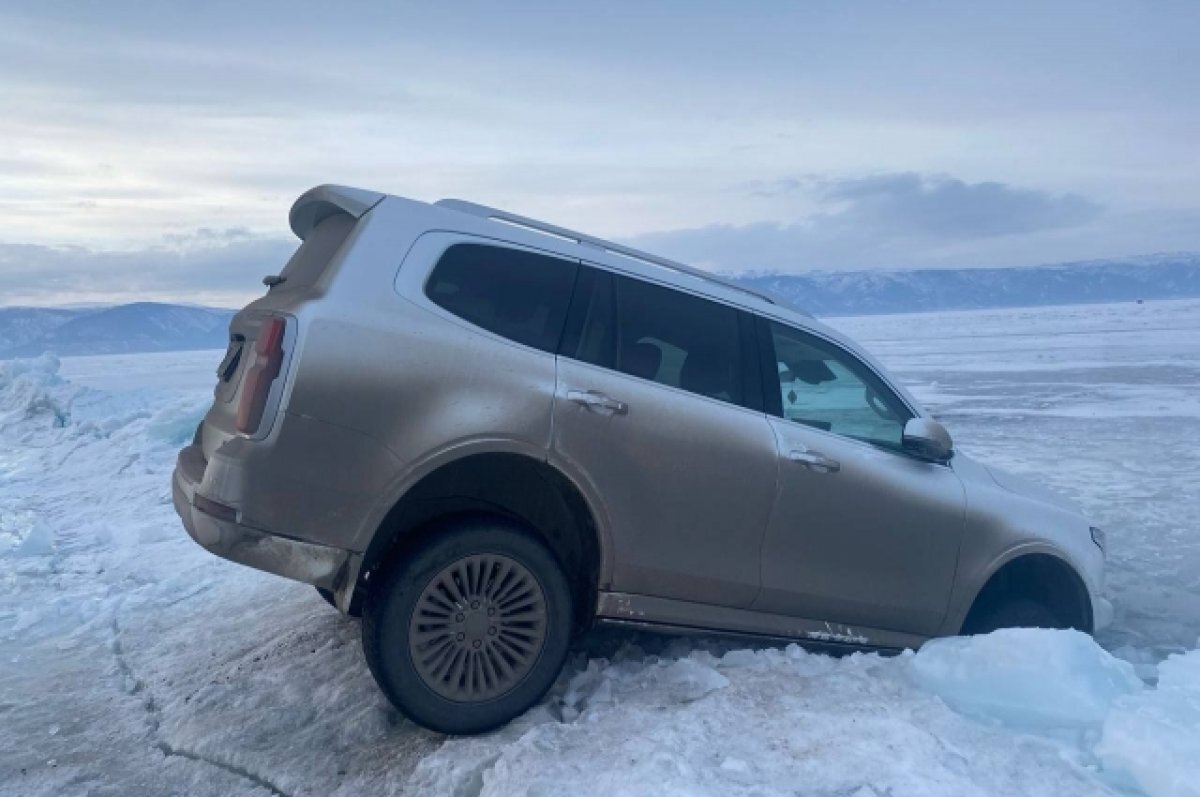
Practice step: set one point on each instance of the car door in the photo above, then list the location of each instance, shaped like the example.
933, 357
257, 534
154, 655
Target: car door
658, 411
862, 534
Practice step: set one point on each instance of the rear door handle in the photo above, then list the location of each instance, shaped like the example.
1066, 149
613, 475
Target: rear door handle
814, 460
597, 401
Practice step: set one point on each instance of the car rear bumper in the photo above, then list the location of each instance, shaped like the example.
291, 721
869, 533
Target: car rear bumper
223, 535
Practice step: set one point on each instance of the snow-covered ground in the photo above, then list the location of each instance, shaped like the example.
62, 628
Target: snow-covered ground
135, 663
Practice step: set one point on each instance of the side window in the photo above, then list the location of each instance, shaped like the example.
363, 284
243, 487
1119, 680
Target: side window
822, 386
662, 335
520, 295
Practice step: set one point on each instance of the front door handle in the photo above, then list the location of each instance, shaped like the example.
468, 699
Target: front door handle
814, 460
597, 401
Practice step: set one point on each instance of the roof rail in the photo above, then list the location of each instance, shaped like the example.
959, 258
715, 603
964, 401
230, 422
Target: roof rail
483, 211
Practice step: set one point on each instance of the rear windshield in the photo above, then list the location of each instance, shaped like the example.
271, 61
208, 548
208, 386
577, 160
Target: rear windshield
520, 295
309, 261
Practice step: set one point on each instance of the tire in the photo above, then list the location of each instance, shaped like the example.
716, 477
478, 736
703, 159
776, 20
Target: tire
1019, 613
471, 628
355, 602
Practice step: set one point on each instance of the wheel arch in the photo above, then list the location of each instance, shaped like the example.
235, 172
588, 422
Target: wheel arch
1036, 573
505, 483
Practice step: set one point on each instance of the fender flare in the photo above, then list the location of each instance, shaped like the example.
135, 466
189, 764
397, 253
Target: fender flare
955, 619
459, 451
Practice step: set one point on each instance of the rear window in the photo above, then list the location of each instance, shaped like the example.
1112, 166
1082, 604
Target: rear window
516, 294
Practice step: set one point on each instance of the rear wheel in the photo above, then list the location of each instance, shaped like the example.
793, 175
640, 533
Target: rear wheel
1018, 613
470, 629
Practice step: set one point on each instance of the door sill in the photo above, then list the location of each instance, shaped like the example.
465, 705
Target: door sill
675, 616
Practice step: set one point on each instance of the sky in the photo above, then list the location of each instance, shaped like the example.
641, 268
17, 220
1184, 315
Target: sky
150, 151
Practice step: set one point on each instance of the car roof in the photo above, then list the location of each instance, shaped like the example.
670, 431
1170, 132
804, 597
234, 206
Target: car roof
318, 203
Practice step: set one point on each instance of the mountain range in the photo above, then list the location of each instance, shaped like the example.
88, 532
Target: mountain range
123, 329
836, 293
149, 326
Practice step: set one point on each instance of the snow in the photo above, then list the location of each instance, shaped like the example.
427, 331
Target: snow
136, 663
774, 722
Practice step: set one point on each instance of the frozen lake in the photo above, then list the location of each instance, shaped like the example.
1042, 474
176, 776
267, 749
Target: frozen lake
136, 663
184, 371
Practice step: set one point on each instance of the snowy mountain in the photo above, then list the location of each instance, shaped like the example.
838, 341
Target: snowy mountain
826, 293
127, 328
21, 325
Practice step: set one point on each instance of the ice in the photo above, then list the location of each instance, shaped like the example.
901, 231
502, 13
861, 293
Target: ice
37, 542
687, 680
1100, 403
32, 389
1026, 677
783, 721
1153, 738
168, 671
1012, 712
177, 423
1144, 662
190, 371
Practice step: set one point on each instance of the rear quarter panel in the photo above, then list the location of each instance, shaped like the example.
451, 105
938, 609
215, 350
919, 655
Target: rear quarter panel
383, 361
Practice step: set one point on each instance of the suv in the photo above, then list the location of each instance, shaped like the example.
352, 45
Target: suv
485, 433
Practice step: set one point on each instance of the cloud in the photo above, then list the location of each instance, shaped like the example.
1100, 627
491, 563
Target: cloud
891, 219
908, 203
220, 267
896, 220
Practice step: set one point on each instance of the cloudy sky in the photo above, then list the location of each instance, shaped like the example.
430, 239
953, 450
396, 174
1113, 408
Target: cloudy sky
151, 150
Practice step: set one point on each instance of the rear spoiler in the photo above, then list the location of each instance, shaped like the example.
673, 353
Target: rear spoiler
317, 204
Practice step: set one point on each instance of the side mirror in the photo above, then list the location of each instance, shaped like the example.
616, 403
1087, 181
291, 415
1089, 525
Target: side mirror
928, 439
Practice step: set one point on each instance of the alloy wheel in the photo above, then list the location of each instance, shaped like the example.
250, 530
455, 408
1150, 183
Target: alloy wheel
478, 628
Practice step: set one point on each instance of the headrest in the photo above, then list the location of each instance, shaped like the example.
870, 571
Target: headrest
642, 359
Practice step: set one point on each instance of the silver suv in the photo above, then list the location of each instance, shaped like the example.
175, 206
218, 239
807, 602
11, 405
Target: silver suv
485, 433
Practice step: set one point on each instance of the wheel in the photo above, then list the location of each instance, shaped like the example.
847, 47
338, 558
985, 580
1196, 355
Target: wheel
1020, 613
470, 629
355, 602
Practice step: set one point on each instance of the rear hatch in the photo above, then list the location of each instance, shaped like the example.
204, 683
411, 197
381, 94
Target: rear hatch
251, 375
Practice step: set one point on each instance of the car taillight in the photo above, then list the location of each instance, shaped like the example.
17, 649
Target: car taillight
268, 359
